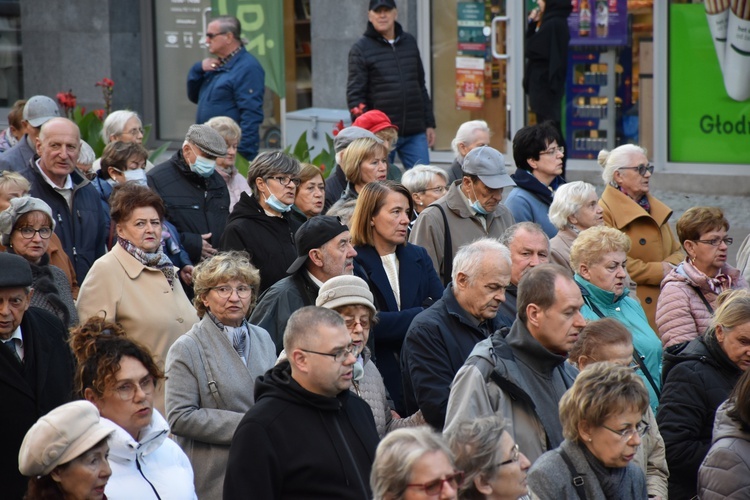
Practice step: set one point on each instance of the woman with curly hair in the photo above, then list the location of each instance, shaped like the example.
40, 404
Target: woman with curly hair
119, 376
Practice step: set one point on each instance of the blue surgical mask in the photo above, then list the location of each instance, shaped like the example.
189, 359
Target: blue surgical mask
137, 176
476, 205
203, 166
276, 203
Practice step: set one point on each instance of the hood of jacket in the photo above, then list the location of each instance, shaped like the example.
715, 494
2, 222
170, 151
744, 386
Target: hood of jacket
278, 383
248, 207
123, 448
726, 427
525, 346
525, 180
704, 349
371, 32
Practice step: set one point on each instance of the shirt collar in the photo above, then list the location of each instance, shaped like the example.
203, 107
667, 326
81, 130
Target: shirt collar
315, 280
68, 180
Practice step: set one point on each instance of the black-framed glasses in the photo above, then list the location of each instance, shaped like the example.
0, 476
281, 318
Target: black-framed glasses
515, 456
553, 151
211, 36
127, 389
436, 189
434, 487
28, 232
627, 434
351, 322
225, 291
642, 169
340, 355
716, 241
284, 180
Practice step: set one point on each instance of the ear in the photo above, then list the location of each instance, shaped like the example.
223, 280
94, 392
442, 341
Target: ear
90, 396
417, 197
482, 486
316, 256
298, 359
533, 314
463, 149
118, 230
55, 475
572, 220
720, 333
584, 271
584, 430
689, 247
38, 144
205, 302
532, 163
260, 183
462, 281
583, 361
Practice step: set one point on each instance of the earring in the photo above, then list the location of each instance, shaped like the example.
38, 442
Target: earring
589, 440
421, 204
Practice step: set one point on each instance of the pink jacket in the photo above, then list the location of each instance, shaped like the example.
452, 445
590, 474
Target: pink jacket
236, 184
681, 315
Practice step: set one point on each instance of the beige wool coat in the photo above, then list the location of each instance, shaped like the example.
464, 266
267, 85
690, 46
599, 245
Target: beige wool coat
652, 242
141, 300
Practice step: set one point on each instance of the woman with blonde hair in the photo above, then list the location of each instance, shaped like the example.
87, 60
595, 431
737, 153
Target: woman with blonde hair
411, 464
311, 193
573, 209
599, 257
630, 207
698, 377
688, 293
212, 368
608, 340
363, 161
602, 421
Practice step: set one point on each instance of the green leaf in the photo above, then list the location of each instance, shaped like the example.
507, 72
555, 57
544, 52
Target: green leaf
302, 150
242, 165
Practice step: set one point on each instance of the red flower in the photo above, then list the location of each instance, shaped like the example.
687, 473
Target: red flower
322, 167
338, 128
106, 82
67, 100
99, 114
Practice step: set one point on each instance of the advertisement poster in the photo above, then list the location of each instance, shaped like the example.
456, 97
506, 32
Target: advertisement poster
709, 108
469, 82
471, 37
599, 22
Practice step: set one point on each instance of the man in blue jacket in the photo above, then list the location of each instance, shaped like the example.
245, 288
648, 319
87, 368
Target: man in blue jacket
36, 112
80, 220
230, 84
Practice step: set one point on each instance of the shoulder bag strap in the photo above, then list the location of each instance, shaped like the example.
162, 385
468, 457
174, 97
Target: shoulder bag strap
639, 359
211, 382
447, 249
577, 477
703, 298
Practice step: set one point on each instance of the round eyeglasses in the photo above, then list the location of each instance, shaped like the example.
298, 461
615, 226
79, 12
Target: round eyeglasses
28, 232
627, 434
225, 291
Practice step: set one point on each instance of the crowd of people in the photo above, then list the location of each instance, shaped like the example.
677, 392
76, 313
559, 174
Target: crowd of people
182, 331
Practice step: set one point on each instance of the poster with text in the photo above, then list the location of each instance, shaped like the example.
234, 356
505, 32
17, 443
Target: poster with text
599, 22
469, 83
471, 38
709, 108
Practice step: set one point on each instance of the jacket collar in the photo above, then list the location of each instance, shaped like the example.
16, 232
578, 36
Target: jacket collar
130, 264
371, 32
124, 448
526, 180
529, 350
596, 294
458, 312
456, 202
369, 259
624, 210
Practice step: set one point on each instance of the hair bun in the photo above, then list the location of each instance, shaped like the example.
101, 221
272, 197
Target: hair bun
83, 339
603, 157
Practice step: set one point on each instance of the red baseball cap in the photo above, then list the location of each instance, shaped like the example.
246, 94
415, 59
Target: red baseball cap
374, 121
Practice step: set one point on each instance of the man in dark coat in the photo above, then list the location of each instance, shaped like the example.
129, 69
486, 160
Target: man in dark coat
36, 112
307, 436
195, 195
386, 73
325, 251
81, 222
441, 338
231, 84
36, 367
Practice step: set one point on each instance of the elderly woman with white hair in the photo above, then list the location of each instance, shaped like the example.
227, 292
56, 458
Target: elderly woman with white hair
122, 125
469, 135
574, 209
629, 207
426, 183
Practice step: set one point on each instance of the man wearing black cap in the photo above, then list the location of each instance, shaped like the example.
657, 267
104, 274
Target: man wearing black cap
195, 195
471, 209
36, 367
324, 251
386, 73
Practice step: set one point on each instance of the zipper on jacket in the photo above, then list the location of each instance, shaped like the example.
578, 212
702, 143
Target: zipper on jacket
138, 466
401, 79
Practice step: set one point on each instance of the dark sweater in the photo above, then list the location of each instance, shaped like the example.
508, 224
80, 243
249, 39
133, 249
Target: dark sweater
299, 445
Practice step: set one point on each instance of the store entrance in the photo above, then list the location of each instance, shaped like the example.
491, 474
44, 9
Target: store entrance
476, 58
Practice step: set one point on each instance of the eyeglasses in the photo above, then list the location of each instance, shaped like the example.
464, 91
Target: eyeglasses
338, 356
627, 434
211, 36
433, 488
553, 151
436, 190
225, 291
515, 456
134, 131
284, 180
351, 322
28, 232
717, 241
642, 169
127, 390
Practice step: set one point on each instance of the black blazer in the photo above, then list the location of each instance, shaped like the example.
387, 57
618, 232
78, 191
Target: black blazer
29, 391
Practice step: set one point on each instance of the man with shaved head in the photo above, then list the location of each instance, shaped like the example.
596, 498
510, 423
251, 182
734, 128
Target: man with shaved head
80, 220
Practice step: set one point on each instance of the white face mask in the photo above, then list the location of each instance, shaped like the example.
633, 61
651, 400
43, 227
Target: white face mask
138, 176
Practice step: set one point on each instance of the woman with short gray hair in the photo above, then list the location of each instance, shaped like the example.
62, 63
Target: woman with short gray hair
122, 125
469, 135
262, 224
574, 209
427, 184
